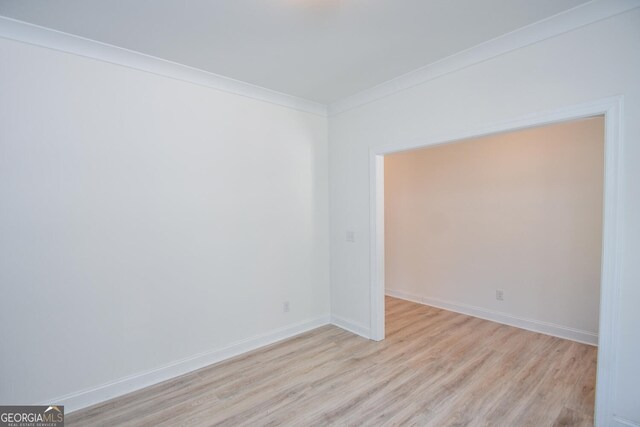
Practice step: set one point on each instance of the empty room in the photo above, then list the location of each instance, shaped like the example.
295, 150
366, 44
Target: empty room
506, 228
319, 212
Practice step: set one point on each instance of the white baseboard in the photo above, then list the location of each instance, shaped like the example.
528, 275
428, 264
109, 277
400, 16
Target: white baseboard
405, 296
82, 399
504, 318
622, 422
350, 326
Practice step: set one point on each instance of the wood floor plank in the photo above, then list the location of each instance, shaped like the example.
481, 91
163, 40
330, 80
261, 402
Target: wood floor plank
435, 368
569, 417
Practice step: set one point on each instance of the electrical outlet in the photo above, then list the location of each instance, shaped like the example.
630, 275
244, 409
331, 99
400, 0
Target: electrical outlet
351, 236
499, 295
285, 306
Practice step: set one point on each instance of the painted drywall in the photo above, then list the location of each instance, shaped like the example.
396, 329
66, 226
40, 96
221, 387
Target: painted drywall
146, 220
519, 212
594, 62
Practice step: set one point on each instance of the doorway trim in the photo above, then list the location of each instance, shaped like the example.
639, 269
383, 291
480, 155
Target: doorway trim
612, 232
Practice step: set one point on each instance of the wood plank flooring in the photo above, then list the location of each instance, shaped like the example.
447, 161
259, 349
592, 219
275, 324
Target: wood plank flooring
435, 368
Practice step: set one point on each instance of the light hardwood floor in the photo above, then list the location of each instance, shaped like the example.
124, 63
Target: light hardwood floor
435, 368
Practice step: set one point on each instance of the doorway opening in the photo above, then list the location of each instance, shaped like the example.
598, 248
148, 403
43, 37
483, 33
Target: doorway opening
609, 110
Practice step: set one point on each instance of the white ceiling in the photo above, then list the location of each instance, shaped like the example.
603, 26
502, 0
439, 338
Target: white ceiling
320, 50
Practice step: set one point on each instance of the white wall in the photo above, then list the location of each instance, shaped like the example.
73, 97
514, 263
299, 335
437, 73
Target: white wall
519, 212
596, 61
145, 220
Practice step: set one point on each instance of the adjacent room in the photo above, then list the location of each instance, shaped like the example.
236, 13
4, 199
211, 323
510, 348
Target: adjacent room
506, 228
319, 212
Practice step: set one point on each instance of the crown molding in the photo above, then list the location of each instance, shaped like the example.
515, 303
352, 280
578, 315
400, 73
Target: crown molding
57, 40
569, 20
